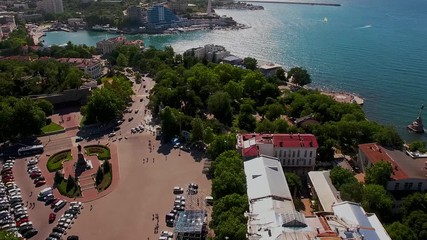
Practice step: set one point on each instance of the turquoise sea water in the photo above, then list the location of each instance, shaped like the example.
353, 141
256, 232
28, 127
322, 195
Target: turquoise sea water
376, 49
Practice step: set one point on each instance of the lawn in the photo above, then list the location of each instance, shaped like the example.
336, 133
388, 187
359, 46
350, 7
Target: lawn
101, 151
55, 161
52, 127
62, 188
106, 181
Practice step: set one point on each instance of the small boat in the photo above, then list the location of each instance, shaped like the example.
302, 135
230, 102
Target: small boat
325, 19
417, 125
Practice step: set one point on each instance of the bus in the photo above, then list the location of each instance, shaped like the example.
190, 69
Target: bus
30, 150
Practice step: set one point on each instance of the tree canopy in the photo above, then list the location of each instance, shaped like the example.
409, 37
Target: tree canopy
379, 173
299, 76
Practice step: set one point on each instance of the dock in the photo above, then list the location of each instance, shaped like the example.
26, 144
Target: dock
299, 3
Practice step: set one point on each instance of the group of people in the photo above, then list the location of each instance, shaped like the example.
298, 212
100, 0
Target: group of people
30, 205
156, 227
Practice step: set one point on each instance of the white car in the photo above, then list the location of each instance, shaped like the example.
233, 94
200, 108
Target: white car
166, 234
112, 134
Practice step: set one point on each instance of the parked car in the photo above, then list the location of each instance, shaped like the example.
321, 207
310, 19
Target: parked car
59, 206
40, 183
130, 119
79, 139
178, 190
52, 217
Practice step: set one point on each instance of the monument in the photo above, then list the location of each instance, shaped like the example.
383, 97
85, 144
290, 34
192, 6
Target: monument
81, 165
417, 125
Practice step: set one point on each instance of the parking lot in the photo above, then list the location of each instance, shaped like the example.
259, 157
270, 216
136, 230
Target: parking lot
145, 188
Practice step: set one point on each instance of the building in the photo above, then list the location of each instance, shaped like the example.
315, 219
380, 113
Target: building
91, 67
233, 60
269, 69
160, 17
7, 25
51, 6
178, 6
408, 174
322, 188
135, 14
210, 52
107, 46
190, 225
272, 213
353, 222
296, 152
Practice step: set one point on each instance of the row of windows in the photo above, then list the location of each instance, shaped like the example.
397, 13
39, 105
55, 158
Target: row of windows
292, 162
408, 186
282, 153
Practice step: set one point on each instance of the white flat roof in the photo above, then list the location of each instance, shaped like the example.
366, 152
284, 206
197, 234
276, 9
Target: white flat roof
355, 217
325, 191
265, 177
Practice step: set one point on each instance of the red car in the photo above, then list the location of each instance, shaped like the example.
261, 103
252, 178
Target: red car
35, 175
52, 217
40, 183
18, 223
8, 171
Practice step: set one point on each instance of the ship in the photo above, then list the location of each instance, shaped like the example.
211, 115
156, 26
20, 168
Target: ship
417, 125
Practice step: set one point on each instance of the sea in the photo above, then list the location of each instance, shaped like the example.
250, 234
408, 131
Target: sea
376, 49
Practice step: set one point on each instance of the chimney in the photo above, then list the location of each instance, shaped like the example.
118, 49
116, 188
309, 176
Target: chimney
318, 230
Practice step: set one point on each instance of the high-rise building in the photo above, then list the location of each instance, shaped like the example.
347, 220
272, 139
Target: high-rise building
178, 6
135, 13
159, 15
51, 6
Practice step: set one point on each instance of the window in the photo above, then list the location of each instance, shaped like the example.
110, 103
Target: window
275, 154
411, 185
420, 184
298, 154
284, 153
406, 186
311, 153
309, 162
305, 153
396, 186
293, 161
289, 162
304, 161
293, 153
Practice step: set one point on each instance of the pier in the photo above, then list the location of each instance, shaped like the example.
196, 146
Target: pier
300, 3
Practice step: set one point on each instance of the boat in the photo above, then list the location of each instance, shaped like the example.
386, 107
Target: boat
417, 125
325, 19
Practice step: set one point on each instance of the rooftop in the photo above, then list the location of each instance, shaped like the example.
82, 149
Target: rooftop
403, 165
190, 221
269, 66
265, 178
356, 221
248, 142
325, 191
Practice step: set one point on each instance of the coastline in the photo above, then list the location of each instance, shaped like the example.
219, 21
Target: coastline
37, 31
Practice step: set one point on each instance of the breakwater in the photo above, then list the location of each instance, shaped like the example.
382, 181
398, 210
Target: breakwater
300, 3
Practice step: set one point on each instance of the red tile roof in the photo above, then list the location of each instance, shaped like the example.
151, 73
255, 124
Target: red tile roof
375, 153
278, 140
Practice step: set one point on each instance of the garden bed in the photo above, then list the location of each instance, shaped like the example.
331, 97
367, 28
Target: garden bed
101, 151
52, 127
106, 182
55, 161
74, 192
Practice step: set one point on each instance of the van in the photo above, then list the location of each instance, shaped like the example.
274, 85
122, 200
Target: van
45, 191
209, 200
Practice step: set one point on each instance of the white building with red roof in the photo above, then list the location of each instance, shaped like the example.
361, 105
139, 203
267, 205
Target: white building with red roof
408, 174
91, 67
108, 45
296, 152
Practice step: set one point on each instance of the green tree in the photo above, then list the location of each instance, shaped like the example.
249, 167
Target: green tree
399, 231
169, 123
219, 104
103, 105
45, 106
232, 228
280, 74
274, 111
220, 144
250, 63
294, 183
71, 183
234, 204
208, 135
376, 199
197, 130
418, 145
388, 137
106, 166
379, 173
73, 79
246, 122
122, 60
99, 176
58, 178
5, 235
27, 118
414, 202
417, 221
299, 76
340, 176
351, 191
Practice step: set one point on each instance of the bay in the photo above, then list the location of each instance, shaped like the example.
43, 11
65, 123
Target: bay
376, 49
